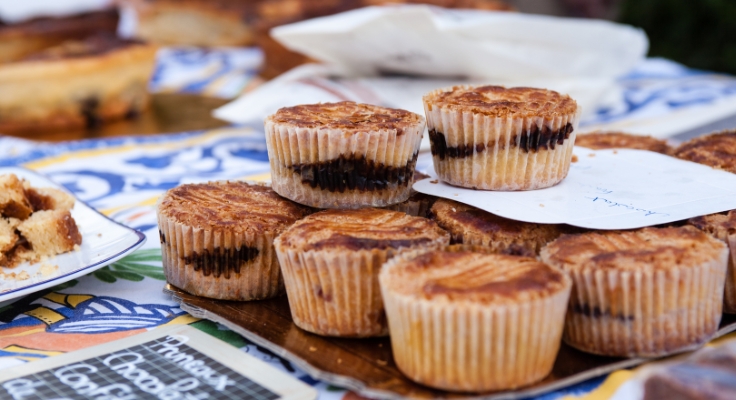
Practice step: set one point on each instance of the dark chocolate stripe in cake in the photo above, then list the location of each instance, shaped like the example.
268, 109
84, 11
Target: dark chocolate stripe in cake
532, 140
221, 261
595, 312
354, 173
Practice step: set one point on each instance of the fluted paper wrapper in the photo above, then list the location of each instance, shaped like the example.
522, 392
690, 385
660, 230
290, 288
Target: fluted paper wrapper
729, 291
258, 278
729, 295
502, 164
291, 146
335, 293
471, 347
643, 314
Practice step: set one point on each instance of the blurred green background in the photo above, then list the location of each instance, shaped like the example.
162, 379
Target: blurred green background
698, 33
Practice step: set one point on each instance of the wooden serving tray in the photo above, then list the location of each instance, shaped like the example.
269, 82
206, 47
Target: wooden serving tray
366, 366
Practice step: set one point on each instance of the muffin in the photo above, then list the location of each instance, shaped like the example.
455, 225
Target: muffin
331, 260
470, 225
621, 140
217, 238
496, 138
723, 227
76, 84
717, 150
343, 155
641, 293
467, 321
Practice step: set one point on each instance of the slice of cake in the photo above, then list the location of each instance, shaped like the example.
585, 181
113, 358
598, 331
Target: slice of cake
50, 232
8, 237
47, 198
13, 201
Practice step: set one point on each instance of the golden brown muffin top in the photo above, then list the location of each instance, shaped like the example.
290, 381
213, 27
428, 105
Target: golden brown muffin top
237, 206
500, 102
362, 229
461, 219
347, 116
717, 150
644, 249
465, 276
720, 225
621, 140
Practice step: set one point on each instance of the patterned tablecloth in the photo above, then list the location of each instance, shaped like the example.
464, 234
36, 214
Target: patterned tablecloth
123, 177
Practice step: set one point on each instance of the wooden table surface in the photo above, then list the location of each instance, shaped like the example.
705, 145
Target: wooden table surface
168, 113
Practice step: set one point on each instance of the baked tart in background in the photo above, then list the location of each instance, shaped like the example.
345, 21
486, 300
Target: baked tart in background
76, 84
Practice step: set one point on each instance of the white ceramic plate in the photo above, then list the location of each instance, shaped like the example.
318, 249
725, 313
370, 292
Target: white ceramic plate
104, 241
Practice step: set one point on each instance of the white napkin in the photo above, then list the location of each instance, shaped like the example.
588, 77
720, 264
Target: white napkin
433, 41
578, 57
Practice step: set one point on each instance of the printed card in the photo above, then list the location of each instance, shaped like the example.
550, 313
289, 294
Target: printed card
608, 189
169, 363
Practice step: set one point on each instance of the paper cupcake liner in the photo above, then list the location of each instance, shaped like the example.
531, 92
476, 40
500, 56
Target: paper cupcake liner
218, 251
469, 347
301, 158
643, 314
729, 295
336, 292
489, 151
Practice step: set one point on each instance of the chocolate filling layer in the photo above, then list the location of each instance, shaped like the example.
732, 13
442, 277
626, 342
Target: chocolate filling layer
595, 312
221, 261
354, 173
532, 140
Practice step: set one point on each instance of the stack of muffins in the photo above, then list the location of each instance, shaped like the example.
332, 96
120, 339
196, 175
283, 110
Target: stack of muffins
472, 301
